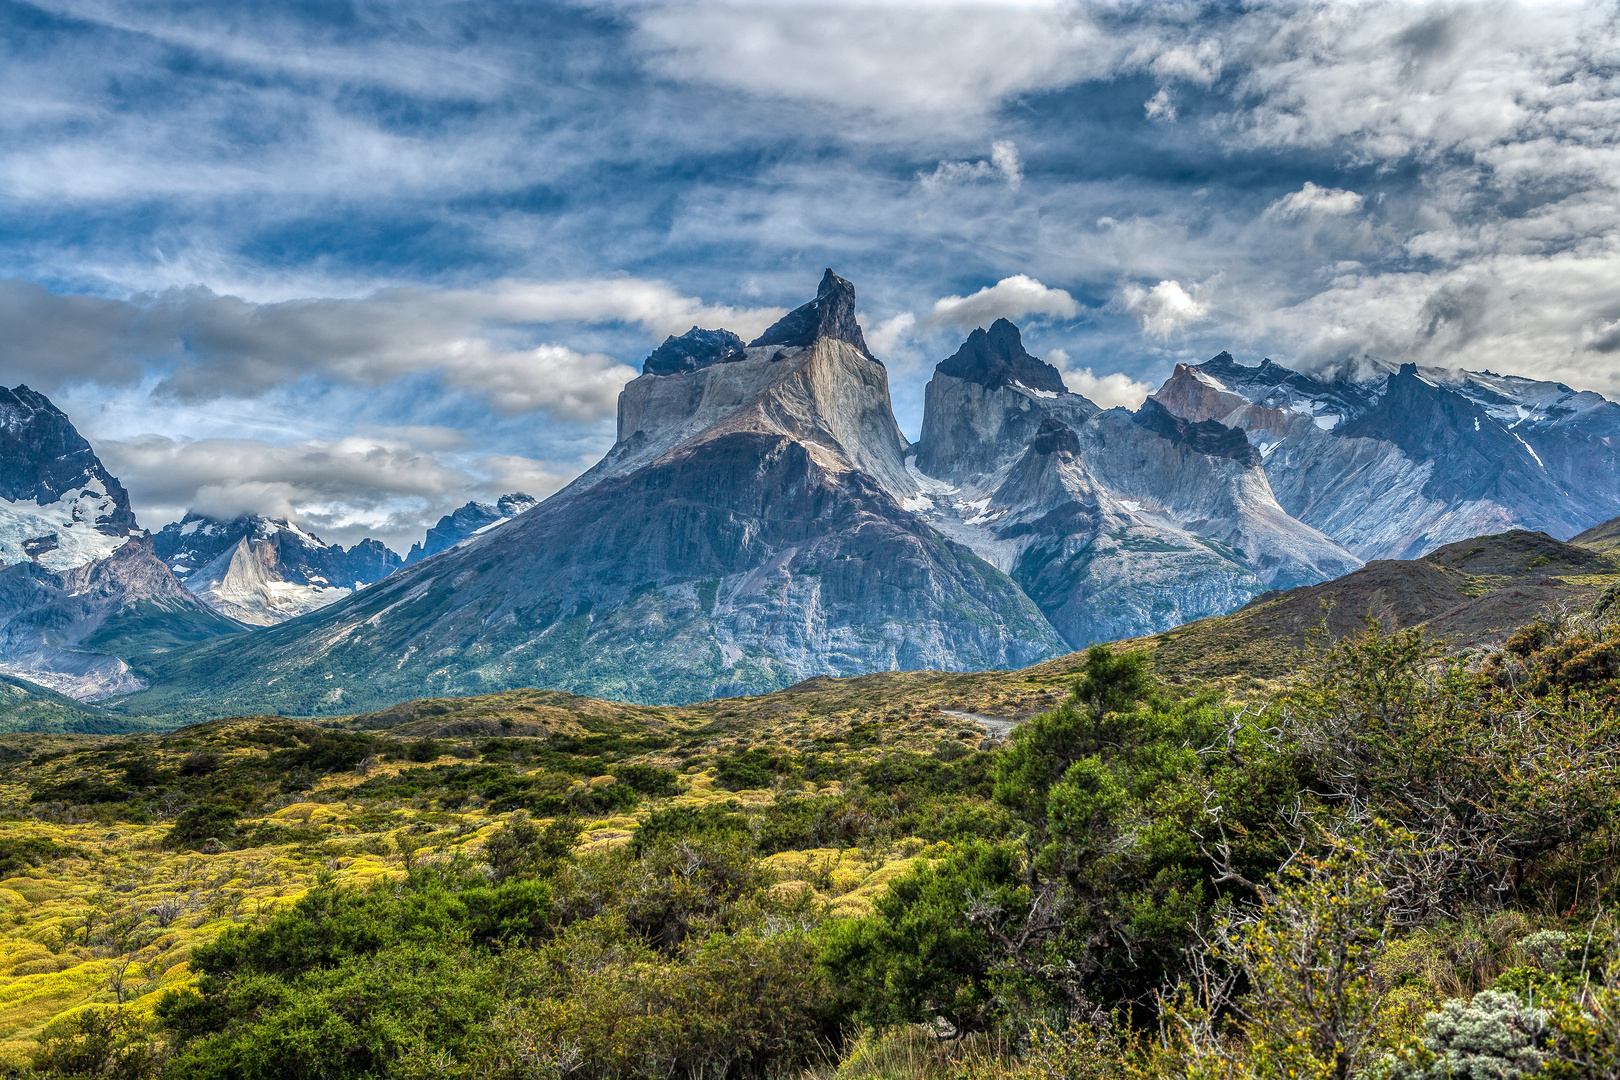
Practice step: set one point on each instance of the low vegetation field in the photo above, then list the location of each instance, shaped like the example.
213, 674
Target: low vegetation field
1389, 860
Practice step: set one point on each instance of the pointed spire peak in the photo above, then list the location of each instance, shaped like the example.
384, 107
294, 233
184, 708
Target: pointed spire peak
996, 357
830, 315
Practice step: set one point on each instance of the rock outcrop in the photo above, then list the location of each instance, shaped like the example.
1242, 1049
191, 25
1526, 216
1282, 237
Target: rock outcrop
984, 405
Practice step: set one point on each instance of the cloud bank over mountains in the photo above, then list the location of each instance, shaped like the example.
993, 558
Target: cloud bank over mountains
280, 227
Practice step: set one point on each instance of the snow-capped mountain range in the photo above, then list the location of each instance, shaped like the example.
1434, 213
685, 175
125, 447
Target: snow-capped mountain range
87, 597
261, 571
1394, 462
761, 519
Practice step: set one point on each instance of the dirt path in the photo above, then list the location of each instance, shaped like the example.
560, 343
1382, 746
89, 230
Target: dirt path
996, 726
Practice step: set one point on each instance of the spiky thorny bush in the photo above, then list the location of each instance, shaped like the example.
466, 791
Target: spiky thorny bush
1284, 990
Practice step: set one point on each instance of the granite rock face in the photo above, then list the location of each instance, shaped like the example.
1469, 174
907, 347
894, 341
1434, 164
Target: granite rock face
747, 531
261, 571
986, 402
1394, 462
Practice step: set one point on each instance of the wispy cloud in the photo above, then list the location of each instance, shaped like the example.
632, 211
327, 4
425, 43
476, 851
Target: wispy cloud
1004, 164
213, 346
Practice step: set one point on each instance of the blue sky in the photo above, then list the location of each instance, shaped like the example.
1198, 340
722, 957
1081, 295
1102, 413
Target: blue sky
358, 263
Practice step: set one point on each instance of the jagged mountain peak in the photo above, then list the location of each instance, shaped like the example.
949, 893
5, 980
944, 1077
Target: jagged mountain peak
59, 506
697, 348
996, 357
473, 518
262, 570
830, 315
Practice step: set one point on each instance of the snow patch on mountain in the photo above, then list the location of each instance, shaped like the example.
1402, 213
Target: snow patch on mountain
60, 535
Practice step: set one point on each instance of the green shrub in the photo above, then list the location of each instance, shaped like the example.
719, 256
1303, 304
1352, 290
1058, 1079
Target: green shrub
649, 781
19, 853
203, 822
919, 957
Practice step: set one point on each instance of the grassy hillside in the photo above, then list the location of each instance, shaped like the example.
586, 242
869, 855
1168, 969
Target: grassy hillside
1604, 538
817, 882
119, 856
26, 706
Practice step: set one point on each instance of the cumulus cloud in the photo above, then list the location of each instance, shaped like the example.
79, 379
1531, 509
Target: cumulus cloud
1164, 309
1010, 298
1114, 390
1161, 106
887, 335
341, 489
1004, 164
1199, 63
212, 345
1316, 202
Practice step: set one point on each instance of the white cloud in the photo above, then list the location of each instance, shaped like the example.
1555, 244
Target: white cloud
890, 61
1200, 63
1004, 164
1160, 106
1004, 156
1316, 202
341, 489
885, 338
1115, 390
1010, 298
1165, 308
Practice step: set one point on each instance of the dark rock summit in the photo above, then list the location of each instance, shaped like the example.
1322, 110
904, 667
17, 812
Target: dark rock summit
830, 315
43, 457
694, 349
1205, 436
997, 357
